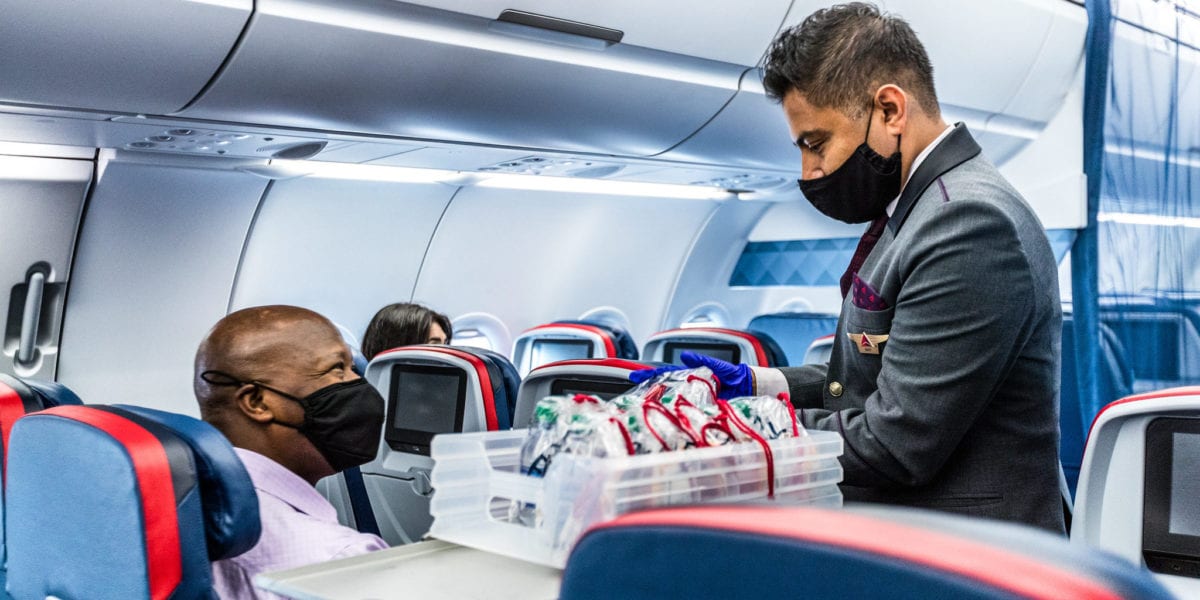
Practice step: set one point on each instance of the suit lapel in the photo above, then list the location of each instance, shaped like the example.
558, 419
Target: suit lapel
956, 149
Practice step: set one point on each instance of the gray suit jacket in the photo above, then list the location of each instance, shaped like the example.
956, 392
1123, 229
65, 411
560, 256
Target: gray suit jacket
959, 409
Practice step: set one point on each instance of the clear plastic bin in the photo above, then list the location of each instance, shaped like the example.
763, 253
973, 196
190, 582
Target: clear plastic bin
478, 487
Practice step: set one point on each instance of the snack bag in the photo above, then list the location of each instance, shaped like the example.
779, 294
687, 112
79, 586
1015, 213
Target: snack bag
773, 418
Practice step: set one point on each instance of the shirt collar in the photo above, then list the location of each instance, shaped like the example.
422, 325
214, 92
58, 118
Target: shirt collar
891, 207
272, 478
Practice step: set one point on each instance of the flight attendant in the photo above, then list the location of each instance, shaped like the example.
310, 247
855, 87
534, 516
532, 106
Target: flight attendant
944, 376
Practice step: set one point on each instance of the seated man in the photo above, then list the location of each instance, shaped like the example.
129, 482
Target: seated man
276, 380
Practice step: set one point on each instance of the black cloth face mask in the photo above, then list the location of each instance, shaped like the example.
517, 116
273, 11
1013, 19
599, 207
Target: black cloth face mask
860, 189
342, 420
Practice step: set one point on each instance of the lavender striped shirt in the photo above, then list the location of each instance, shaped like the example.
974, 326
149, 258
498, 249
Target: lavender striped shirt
299, 527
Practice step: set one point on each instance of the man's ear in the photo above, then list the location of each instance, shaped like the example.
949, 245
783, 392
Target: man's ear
894, 103
249, 400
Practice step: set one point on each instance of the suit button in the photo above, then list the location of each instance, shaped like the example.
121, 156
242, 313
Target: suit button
835, 389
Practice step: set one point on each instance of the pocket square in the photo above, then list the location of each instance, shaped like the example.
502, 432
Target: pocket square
865, 296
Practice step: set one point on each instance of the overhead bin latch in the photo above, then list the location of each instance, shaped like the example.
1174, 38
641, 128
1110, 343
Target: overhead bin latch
555, 30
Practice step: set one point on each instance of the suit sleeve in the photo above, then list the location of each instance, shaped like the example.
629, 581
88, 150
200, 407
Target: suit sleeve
961, 318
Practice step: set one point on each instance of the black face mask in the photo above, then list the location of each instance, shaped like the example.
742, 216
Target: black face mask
860, 189
342, 420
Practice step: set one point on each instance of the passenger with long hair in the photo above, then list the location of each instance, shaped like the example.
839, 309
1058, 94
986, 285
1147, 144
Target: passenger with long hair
405, 324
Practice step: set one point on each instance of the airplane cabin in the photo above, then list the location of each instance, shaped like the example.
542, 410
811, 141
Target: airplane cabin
585, 189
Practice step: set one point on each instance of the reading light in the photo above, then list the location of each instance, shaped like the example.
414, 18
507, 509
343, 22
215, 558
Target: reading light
332, 170
1155, 220
577, 185
286, 169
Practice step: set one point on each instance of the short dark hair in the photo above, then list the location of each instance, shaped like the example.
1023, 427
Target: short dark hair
840, 55
401, 324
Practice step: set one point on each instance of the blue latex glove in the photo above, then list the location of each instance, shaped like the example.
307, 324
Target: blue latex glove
735, 380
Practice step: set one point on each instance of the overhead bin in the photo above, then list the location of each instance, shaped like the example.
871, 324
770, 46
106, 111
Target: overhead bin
400, 69
147, 56
751, 131
1024, 89
1015, 58
720, 30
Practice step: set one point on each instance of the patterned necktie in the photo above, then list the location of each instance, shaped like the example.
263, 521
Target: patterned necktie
865, 245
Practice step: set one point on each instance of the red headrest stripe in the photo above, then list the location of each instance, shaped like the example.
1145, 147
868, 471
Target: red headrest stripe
485, 380
610, 348
999, 568
617, 363
11, 409
155, 488
1167, 393
760, 354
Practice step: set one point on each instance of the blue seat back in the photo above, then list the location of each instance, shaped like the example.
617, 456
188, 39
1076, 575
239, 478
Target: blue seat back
795, 331
1115, 380
755, 552
19, 397
1166, 335
121, 502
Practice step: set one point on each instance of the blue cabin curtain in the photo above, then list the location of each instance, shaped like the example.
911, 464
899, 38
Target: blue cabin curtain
1147, 198
1134, 323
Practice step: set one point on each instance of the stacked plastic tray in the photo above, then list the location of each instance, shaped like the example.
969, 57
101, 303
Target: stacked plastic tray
482, 500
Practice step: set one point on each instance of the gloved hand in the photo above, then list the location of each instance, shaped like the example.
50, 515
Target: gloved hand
735, 380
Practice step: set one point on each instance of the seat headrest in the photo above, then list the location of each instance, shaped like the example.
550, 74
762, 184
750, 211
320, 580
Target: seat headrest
499, 381
765, 551
19, 397
107, 502
45, 394
623, 344
231, 520
564, 340
35, 394
795, 331
776, 357
602, 376
753, 347
358, 360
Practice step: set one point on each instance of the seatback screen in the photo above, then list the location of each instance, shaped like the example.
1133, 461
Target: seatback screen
1171, 511
1185, 484
605, 389
425, 400
544, 352
727, 352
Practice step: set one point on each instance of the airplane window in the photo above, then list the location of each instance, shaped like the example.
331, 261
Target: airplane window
796, 305
710, 314
481, 330
473, 338
608, 315
700, 321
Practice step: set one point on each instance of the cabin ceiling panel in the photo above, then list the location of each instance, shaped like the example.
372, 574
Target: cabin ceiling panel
342, 248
